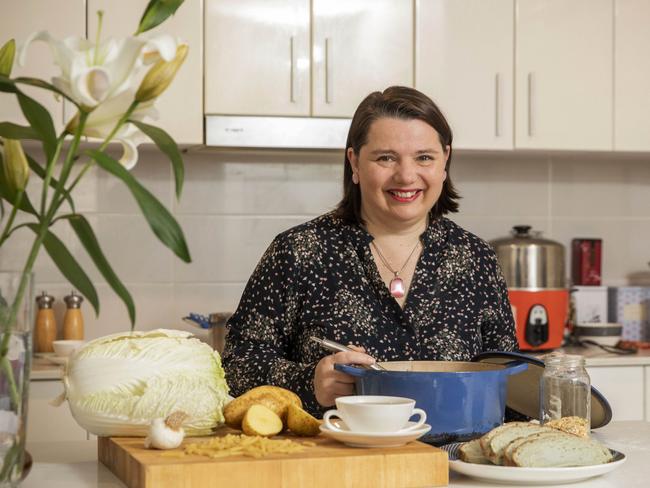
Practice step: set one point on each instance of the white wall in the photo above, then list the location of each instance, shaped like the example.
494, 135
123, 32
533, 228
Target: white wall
233, 204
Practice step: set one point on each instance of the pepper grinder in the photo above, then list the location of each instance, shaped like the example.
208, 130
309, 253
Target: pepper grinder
45, 327
73, 321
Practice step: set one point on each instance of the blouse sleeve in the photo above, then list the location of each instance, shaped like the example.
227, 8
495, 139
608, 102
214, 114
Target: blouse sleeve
259, 346
498, 324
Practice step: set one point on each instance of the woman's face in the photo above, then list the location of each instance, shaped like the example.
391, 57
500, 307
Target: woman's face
401, 170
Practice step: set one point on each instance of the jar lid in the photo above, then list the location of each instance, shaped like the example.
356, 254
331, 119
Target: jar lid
523, 388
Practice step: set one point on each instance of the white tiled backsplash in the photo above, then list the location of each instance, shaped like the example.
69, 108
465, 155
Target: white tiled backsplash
233, 204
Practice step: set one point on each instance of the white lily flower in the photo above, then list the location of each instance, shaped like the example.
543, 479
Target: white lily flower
102, 120
92, 74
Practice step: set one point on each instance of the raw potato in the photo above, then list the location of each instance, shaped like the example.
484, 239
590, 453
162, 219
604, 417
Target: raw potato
301, 423
260, 420
288, 395
273, 397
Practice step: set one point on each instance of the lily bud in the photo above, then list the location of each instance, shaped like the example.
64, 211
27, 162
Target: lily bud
160, 76
16, 167
7, 54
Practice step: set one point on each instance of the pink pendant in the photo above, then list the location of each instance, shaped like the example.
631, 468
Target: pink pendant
397, 287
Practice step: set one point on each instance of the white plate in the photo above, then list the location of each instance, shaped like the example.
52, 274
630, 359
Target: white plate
373, 439
510, 475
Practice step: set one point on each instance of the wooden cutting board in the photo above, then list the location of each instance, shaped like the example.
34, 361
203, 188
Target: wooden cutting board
328, 464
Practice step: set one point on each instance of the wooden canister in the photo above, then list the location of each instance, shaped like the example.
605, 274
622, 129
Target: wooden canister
45, 327
73, 321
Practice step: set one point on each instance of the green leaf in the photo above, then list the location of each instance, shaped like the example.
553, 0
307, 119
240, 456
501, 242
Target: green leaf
7, 54
40, 172
45, 85
167, 145
160, 220
69, 267
40, 120
9, 194
156, 13
10, 130
87, 237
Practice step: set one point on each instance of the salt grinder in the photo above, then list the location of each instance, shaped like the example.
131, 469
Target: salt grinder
45, 327
73, 321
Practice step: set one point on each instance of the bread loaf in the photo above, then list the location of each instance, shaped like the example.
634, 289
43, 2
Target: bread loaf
528, 444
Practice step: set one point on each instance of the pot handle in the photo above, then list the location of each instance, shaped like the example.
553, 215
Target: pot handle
515, 367
351, 370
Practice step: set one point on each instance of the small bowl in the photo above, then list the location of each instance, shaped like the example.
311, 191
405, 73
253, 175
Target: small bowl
606, 334
65, 348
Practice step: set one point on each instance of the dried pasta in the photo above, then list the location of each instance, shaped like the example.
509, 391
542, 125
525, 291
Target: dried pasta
244, 445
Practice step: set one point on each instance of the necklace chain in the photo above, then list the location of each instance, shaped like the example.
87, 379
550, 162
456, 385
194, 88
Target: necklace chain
383, 259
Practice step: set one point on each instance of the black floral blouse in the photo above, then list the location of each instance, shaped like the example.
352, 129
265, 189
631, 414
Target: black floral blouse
320, 279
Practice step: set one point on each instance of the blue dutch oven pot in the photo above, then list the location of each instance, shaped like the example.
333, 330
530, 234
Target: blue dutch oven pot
462, 400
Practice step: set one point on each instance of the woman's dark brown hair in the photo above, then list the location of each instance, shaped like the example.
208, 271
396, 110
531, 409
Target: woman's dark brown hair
397, 102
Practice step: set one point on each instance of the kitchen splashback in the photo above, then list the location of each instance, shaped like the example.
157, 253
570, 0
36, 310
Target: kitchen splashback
233, 204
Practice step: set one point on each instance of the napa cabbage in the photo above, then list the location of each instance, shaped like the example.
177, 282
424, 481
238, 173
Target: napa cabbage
117, 384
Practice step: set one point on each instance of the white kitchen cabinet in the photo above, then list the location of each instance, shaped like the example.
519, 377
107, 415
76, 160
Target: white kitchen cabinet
279, 58
631, 75
359, 46
464, 61
181, 105
624, 389
18, 20
46, 422
257, 57
564, 74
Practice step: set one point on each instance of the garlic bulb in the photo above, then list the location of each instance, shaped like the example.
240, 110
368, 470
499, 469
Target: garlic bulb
166, 433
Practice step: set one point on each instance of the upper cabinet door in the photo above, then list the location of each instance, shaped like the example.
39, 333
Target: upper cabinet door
19, 19
257, 57
564, 78
181, 105
464, 62
632, 75
360, 46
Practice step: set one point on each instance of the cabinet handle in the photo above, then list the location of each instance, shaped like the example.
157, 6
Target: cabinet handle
292, 73
530, 104
496, 105
328, 87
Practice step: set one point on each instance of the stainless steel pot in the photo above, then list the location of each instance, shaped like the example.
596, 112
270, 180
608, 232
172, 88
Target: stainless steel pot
530, 262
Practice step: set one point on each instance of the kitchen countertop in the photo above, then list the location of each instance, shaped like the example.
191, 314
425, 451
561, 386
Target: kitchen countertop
44, 370
74, 464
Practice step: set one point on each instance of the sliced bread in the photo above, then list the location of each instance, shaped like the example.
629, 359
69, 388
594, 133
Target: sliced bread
486, 438
560, 451
493, 449
471, 452
509, 449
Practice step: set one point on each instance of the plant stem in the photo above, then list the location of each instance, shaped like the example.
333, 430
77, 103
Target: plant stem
7, 232
8, 372
48, 173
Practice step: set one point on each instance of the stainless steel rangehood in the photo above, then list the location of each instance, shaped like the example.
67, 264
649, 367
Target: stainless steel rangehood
276, 132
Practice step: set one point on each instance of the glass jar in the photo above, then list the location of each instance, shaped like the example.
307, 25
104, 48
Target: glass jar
565, 389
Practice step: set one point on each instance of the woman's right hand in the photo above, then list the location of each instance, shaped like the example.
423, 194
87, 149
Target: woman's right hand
329, 384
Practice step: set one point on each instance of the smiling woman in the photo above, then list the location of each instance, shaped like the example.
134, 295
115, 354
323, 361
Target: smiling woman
385, 270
